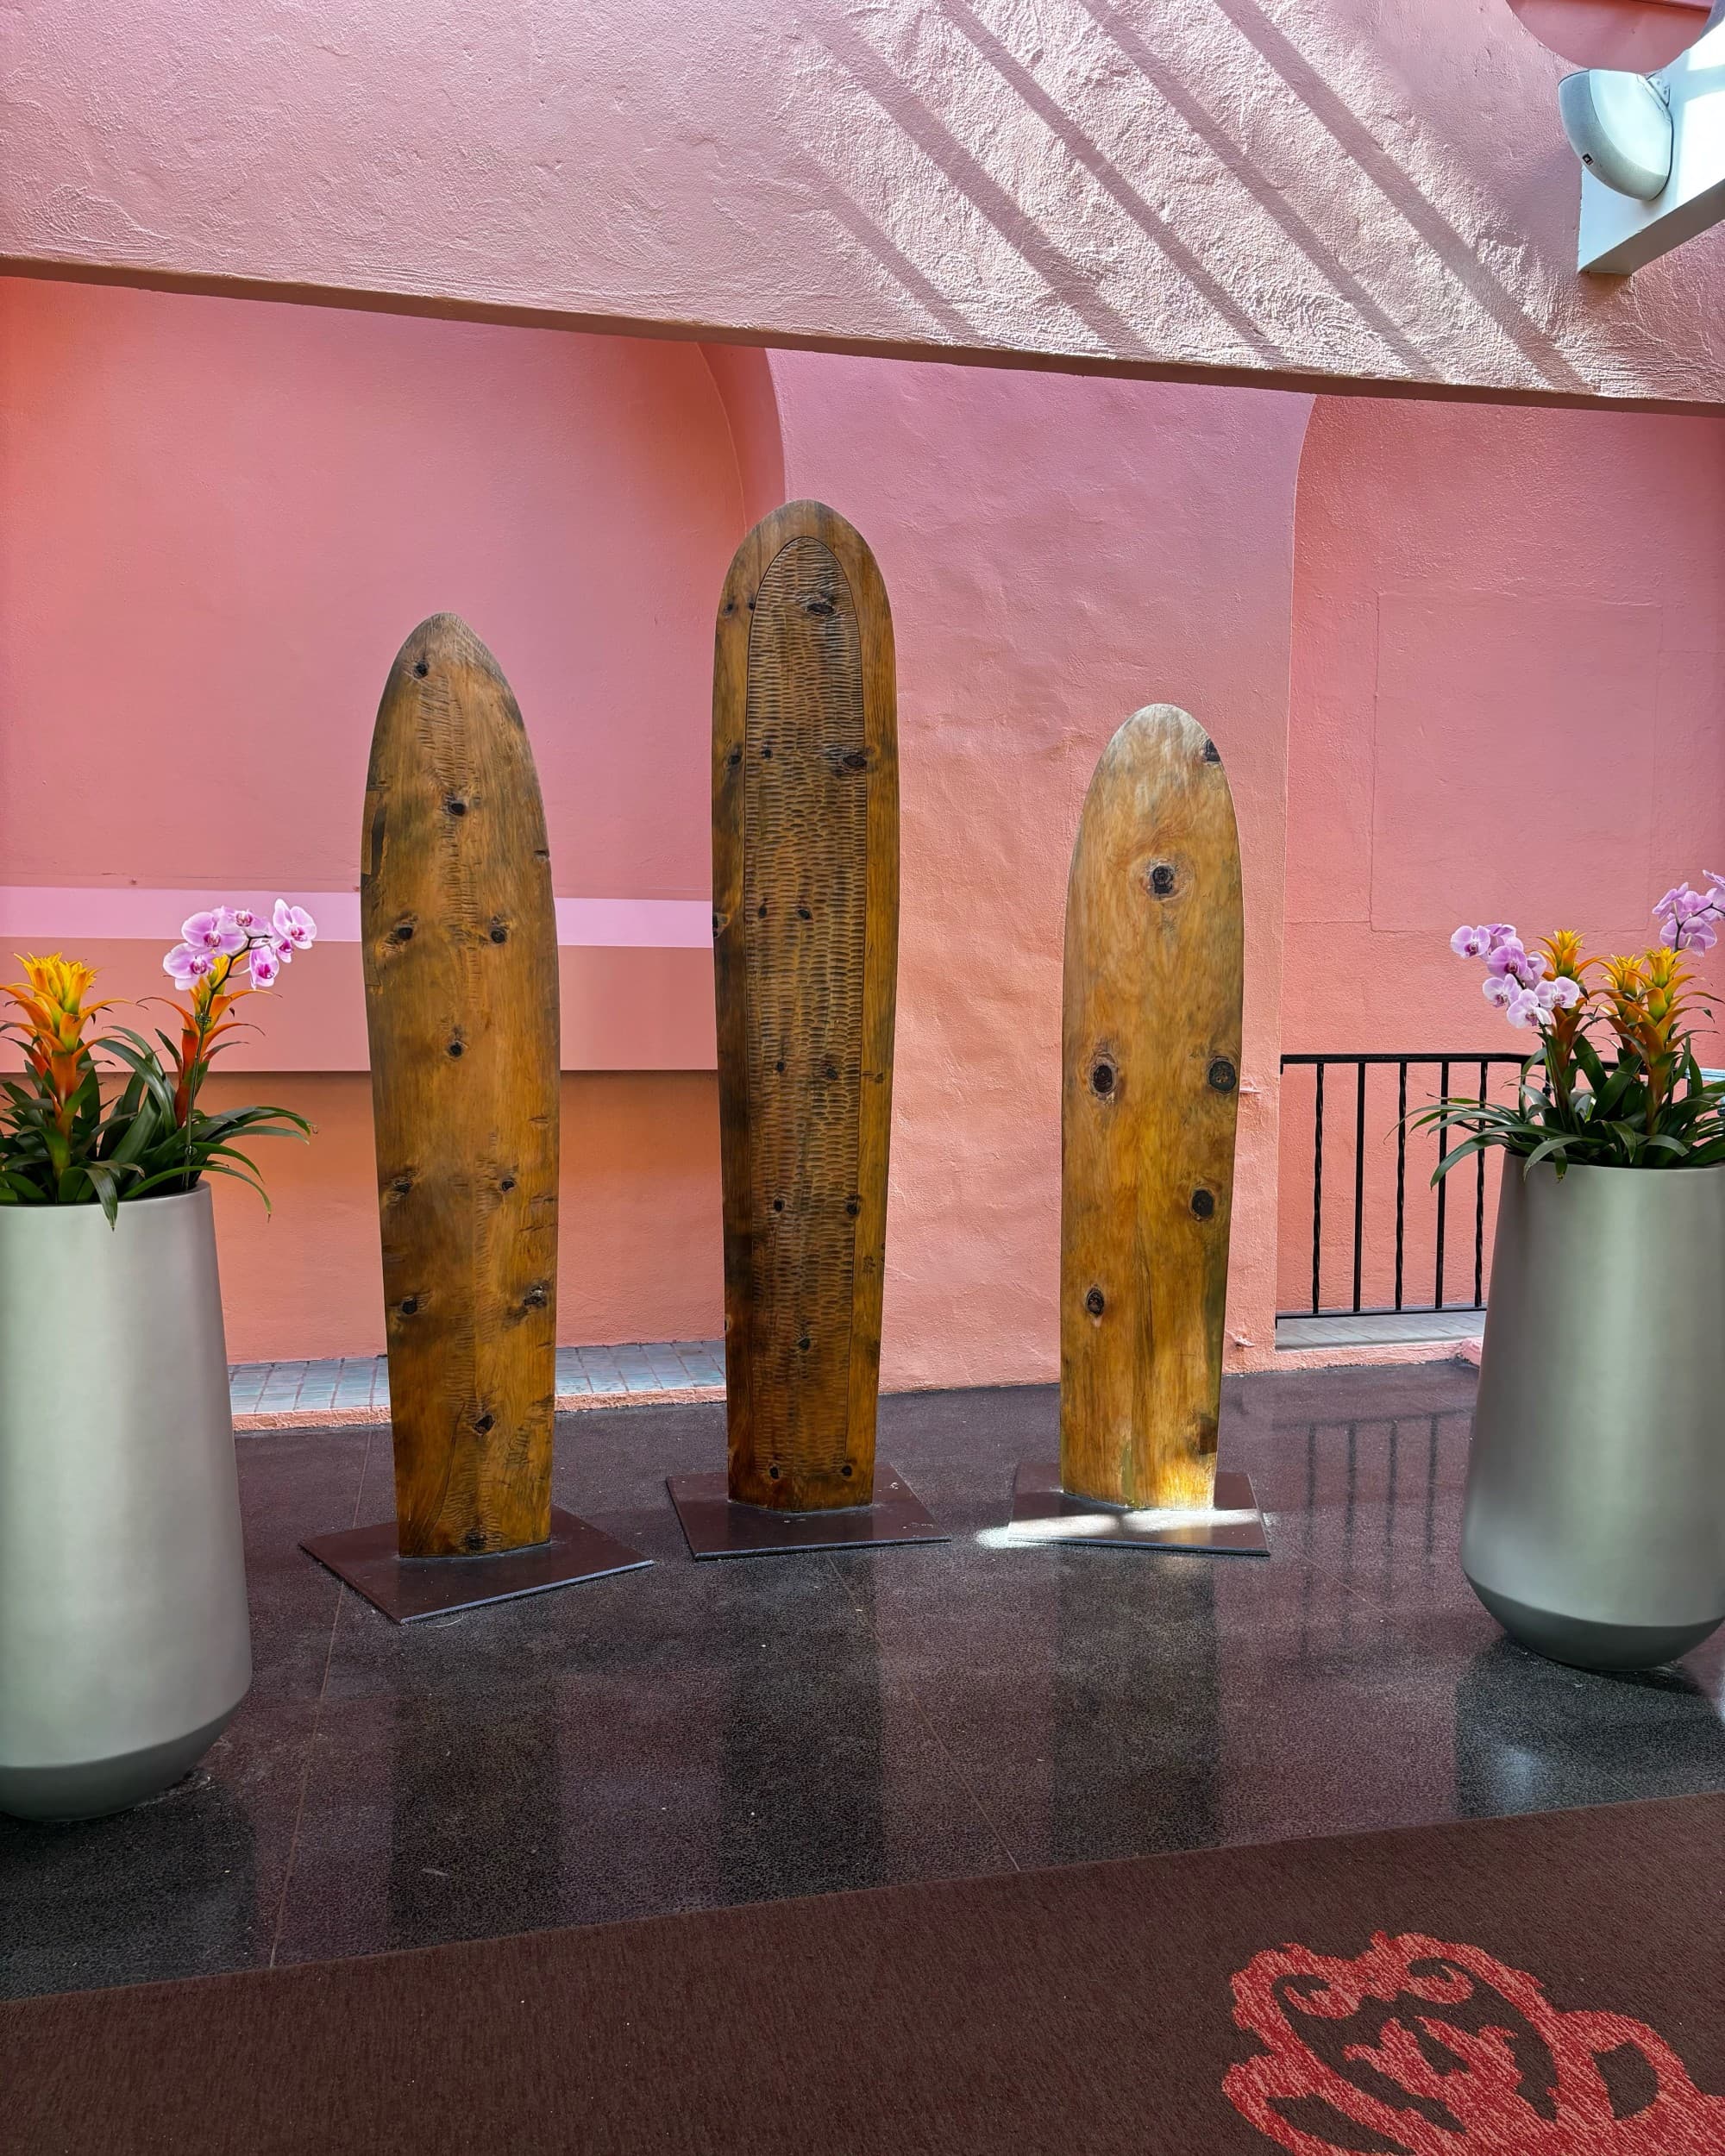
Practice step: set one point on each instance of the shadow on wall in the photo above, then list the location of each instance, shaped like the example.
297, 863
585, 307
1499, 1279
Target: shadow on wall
1211, 81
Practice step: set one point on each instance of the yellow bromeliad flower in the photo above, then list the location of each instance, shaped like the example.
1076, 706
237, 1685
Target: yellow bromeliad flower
1649, 1013
52, 997
1564, 961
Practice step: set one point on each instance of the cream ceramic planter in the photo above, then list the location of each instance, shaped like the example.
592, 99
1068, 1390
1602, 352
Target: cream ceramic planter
124, 1641
1594, 1527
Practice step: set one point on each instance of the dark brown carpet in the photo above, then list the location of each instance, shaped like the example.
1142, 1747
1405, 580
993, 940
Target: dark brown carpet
1545, 1986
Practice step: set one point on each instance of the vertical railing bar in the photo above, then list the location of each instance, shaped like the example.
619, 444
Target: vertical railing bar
1446, 1065
1443, 1187
1401, 1168
1317, 1190
1358, 1173
1479, 1208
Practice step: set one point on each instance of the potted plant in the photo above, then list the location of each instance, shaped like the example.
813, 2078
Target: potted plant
1594, 1521
124, 1641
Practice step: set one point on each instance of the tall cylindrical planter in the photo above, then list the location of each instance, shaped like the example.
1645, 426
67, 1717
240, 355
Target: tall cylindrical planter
1594, 1528
124, 1642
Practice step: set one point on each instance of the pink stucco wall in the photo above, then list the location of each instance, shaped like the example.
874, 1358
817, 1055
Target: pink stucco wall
1059, 552
1284, 191
1508, 667
223, 514
222, 517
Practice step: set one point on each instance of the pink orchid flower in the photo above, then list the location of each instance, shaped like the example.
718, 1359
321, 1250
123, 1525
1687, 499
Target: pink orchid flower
266, 965
187, 963
1510, 959
216, 931
292, 926
1524, 1008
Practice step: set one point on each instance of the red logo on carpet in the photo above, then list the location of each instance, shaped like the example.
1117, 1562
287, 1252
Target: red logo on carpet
1421, 2048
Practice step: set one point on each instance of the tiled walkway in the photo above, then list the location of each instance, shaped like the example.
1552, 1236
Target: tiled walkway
355, 1388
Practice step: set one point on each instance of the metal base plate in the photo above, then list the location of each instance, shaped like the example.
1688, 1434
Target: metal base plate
1042, 1511
407, 1588
716, 1527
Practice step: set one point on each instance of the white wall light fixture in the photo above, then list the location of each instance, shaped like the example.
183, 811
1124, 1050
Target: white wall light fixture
1653, 154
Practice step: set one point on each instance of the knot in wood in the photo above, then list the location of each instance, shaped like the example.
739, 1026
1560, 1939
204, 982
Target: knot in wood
1212, 754
536, 1296
456, 806
403, 933
408, 1306
1161, 881
421, 668
499, 934
820, 603
1203, 1203
1222, 1075
483, 1424
1095, 1303
1103, 1078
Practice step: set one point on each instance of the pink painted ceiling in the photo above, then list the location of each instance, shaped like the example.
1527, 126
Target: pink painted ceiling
1371, 191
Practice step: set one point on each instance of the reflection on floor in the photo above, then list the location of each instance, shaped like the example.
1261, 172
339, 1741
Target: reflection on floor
693, 1735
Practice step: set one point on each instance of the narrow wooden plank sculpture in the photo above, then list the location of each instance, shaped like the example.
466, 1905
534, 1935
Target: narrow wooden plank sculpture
806, 920
1155, 958
460, 965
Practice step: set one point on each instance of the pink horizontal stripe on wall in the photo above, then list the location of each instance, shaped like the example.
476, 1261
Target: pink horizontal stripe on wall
55, 915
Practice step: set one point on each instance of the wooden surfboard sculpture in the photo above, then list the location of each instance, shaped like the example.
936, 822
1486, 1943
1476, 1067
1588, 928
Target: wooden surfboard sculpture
805, 926
460, 962
1151, 1048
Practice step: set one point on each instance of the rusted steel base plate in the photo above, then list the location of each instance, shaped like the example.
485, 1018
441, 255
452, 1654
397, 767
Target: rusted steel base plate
1042, 1511
716, 1525
408, 1589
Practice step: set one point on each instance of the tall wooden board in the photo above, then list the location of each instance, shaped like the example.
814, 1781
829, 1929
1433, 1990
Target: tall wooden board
806, 921
1151, 1048
460, 962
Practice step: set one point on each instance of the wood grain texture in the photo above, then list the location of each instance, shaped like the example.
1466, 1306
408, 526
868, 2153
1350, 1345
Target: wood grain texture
806, 930
1151, 1048
460, 957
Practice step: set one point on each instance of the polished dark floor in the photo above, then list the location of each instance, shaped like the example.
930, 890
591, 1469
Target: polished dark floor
696, 1734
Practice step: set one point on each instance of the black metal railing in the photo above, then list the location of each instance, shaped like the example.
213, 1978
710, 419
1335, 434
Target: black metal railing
1410, 1269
